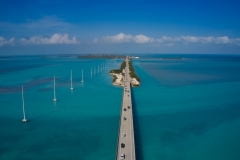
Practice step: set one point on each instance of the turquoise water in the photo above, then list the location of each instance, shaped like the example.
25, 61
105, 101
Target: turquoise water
188, 109
184, 109
82, 124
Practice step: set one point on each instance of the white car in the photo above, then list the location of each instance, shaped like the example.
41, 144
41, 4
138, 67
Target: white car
122, 156
123, 135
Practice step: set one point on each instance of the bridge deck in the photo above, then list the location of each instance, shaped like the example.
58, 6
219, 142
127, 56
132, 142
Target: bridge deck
126, 131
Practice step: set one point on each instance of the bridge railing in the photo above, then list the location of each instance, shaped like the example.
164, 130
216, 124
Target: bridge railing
119, 128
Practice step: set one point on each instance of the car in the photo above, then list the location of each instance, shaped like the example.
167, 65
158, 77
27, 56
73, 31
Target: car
125, 109
122, 156
123, 135
128, 107
124, 118
122, 145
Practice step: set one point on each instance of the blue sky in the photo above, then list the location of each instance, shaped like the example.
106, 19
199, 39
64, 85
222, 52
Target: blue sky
119, 26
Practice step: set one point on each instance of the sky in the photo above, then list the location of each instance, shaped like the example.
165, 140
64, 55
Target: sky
119, 26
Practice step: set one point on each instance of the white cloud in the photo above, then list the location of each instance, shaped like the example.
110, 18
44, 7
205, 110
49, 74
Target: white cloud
6, 42
120, 38
195, 39
55, 39
123, 38
142, 39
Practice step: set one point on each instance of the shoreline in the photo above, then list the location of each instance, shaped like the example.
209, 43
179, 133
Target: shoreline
119, 74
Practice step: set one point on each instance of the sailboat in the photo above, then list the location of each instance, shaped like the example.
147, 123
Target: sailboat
71, 81
24, 118
82, 76
54, 93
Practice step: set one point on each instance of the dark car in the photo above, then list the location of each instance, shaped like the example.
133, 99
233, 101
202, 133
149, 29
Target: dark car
125, 109
124, 118
128, 107
122, 145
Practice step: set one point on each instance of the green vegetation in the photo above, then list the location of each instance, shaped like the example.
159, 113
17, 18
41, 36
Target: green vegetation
132, 73
114, 78
123, 65
115, 71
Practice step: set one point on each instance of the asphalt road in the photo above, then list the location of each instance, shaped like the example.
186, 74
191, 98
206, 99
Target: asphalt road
126, 131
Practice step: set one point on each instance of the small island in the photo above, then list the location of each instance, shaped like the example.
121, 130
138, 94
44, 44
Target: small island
118, 75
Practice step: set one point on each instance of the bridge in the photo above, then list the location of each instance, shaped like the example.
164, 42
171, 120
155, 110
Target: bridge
126, 145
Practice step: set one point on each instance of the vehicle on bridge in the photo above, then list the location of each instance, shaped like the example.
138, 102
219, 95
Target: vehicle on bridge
122, 156
124, 135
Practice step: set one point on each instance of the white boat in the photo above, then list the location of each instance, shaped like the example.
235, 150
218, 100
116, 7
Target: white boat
54, 92
24, 118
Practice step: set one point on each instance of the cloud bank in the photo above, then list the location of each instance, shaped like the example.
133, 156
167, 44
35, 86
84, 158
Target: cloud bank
55, 39
4, 42
123, 38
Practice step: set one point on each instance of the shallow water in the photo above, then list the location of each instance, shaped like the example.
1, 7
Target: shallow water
184, 109
193, 114
82, 124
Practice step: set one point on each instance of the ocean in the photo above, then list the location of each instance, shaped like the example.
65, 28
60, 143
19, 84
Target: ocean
187, 107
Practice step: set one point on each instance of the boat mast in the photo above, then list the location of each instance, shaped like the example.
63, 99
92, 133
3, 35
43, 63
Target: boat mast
71, 81
82, 76
54, 92
24, 118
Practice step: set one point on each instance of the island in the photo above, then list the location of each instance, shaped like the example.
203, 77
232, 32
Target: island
118, 75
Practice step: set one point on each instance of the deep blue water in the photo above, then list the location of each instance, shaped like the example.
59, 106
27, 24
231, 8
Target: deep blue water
184, 109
